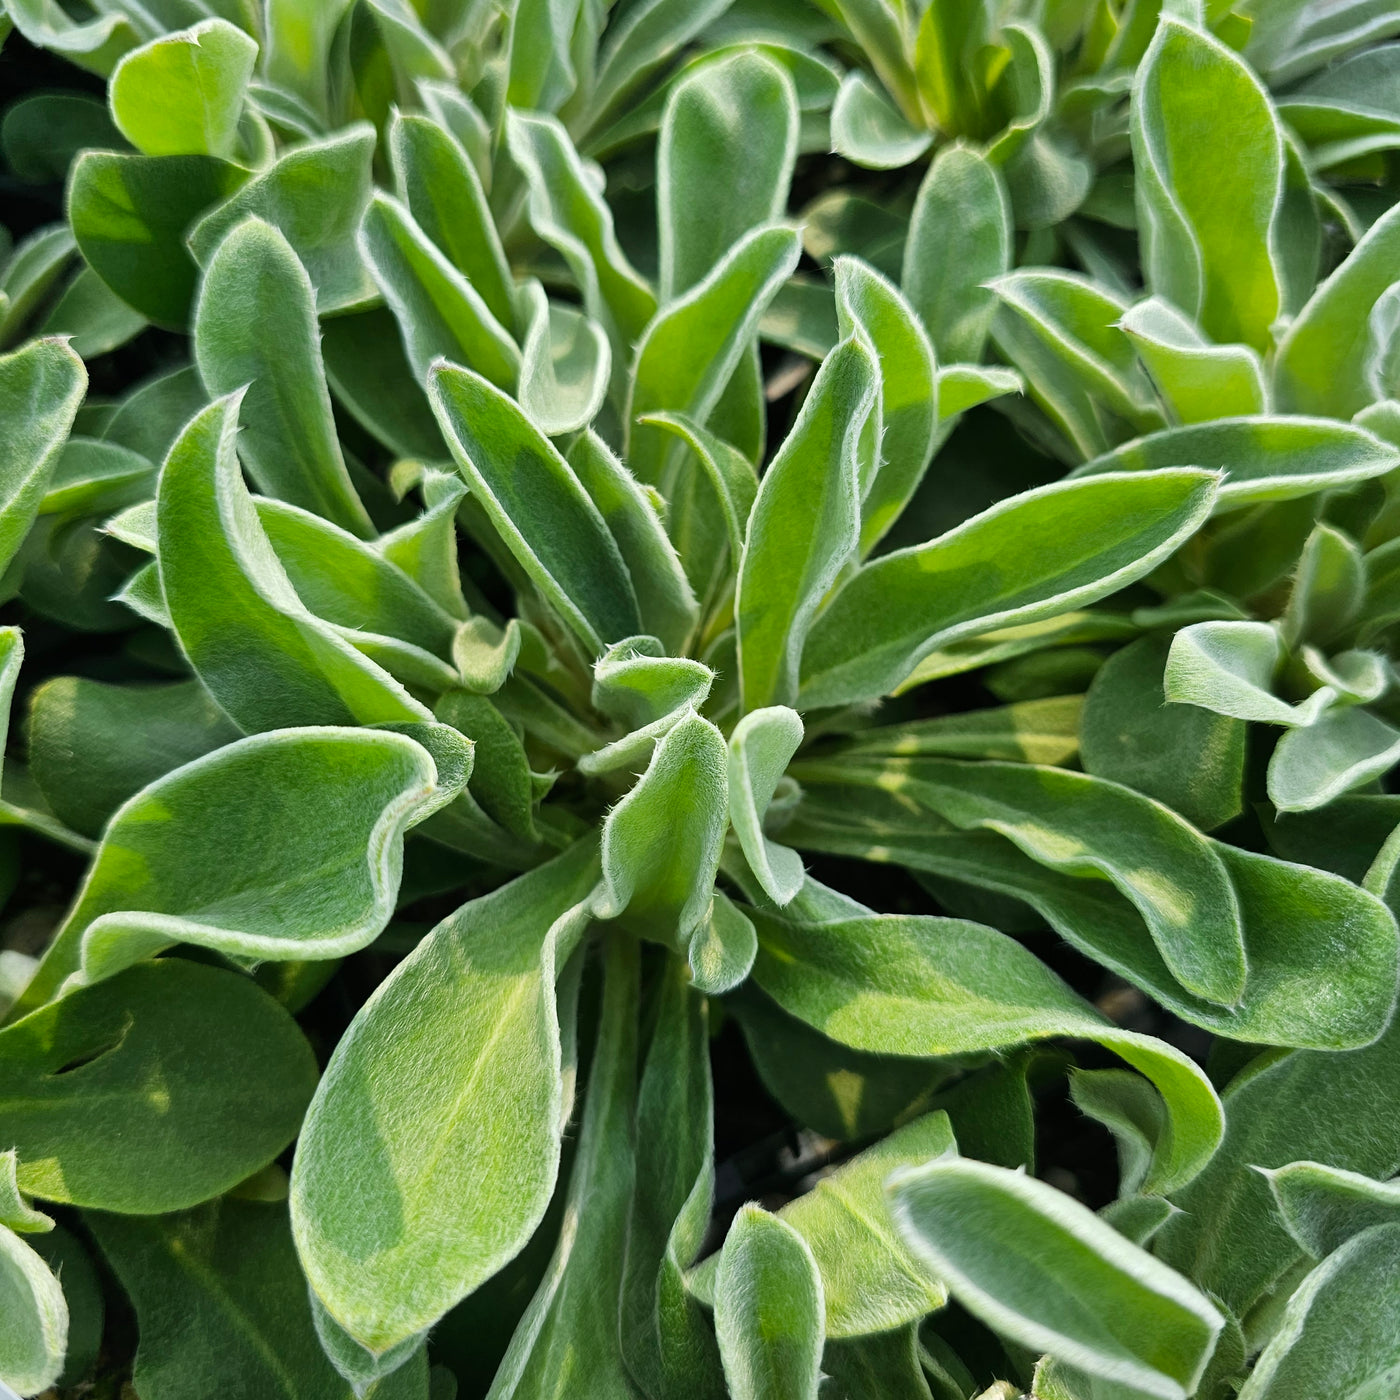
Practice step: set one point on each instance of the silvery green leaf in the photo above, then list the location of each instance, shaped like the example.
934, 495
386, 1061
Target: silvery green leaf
959, 239
727, 144
272, 879
950, 58
255, 325
904, 985
693, 345
1198, 380
541, 73
243, 1319
130, 214
439, 186
801, 318
96, 320
1034, 731
1307, 1105
485, 654
804, 525
95, 43
92, 477
77, 1076
1132, 736
1341, 1328
730, 474
36, 1318
468, 1125
348, 582
1041, 1269
314, 195
669, 1347
250, 639
15, 1212
150, 416
440, 313
768, 1310
961, 387
41, 386
668, 607
1094, 829
565, 363
1323, 1206
1290, 914
1209, 245
722, 949
869, 130
297, 49
1076, 322
1328, 588
880, 28
1342, 750
870, 1280
182, 94
661, 843
1320, 366
30, 274
568, 1340
1230, 668
500, 780
760, 748
537, 505
92, 745
1264, 458
876, 311
1084, 549
568, 213
888, 1364
1128, 1106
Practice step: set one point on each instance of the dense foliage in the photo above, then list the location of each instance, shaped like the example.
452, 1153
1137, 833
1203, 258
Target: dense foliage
708, 702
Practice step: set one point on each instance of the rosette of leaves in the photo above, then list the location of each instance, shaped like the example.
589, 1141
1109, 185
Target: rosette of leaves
613, 741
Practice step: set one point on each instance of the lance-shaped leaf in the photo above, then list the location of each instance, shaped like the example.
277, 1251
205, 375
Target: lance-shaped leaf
568, 212
768, 1310
1341, 1329
299, 35
875, 311
95, 44
440, 188
1329, 587
422, 1170
284, 845
1321, 359
351, 583
255, 325
1044, 1271
668, 1345
1072, 324
114, 1095
664, 596
243, 1321
691, 348
1208, 244
1264, 459
1323, 1206
1099, 830
1036, 731
727, 145
1301, 989
262, 655
440, 313
870, 1280
959, 240
760, 749
41, 386
568, 1339
804, 525
501, 780
1042, 553
182, 95
1230, 668
35, 1337
661, 843
130, 215
1198, 381
901, 985
1342, 750
541, 60
1308, 1105
537, 506
314, 194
